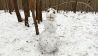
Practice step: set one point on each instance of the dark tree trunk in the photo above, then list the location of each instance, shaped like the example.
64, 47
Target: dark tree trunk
10, 6
32, 6
49, 3
25, 4
35, 23
6, 3
75, 7
39, 10
17, 11
1, 5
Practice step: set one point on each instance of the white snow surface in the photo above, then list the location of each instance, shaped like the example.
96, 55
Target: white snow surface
78, 33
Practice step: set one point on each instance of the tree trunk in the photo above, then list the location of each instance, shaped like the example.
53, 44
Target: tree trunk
10, 6
25, 5
17, 11
75, 7
39, 10
32, 6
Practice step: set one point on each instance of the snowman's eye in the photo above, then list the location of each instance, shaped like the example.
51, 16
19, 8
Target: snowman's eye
47, 10
54, 12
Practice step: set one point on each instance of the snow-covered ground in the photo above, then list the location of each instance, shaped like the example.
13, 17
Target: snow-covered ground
78, 33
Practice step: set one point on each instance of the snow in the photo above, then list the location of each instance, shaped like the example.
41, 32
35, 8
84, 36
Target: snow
77, 32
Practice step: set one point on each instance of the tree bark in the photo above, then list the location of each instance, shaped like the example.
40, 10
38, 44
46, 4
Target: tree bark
10, 6
17, 11
32, 6
75, 7
25, 5
39, 10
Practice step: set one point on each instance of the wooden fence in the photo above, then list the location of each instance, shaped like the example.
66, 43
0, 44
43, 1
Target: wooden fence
82, 5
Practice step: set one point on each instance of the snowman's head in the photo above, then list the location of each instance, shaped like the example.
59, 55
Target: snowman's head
51, 14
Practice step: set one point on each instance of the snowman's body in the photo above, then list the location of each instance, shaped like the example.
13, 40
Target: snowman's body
50, 23
48, 43
48, 39
50, 26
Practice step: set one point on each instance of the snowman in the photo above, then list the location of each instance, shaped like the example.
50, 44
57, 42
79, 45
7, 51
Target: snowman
50, 23
48, 39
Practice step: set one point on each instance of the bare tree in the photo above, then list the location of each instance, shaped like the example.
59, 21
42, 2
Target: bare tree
37, 11
25, 5
17, 11
32, 6
75, 7
10, 5
40, 10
